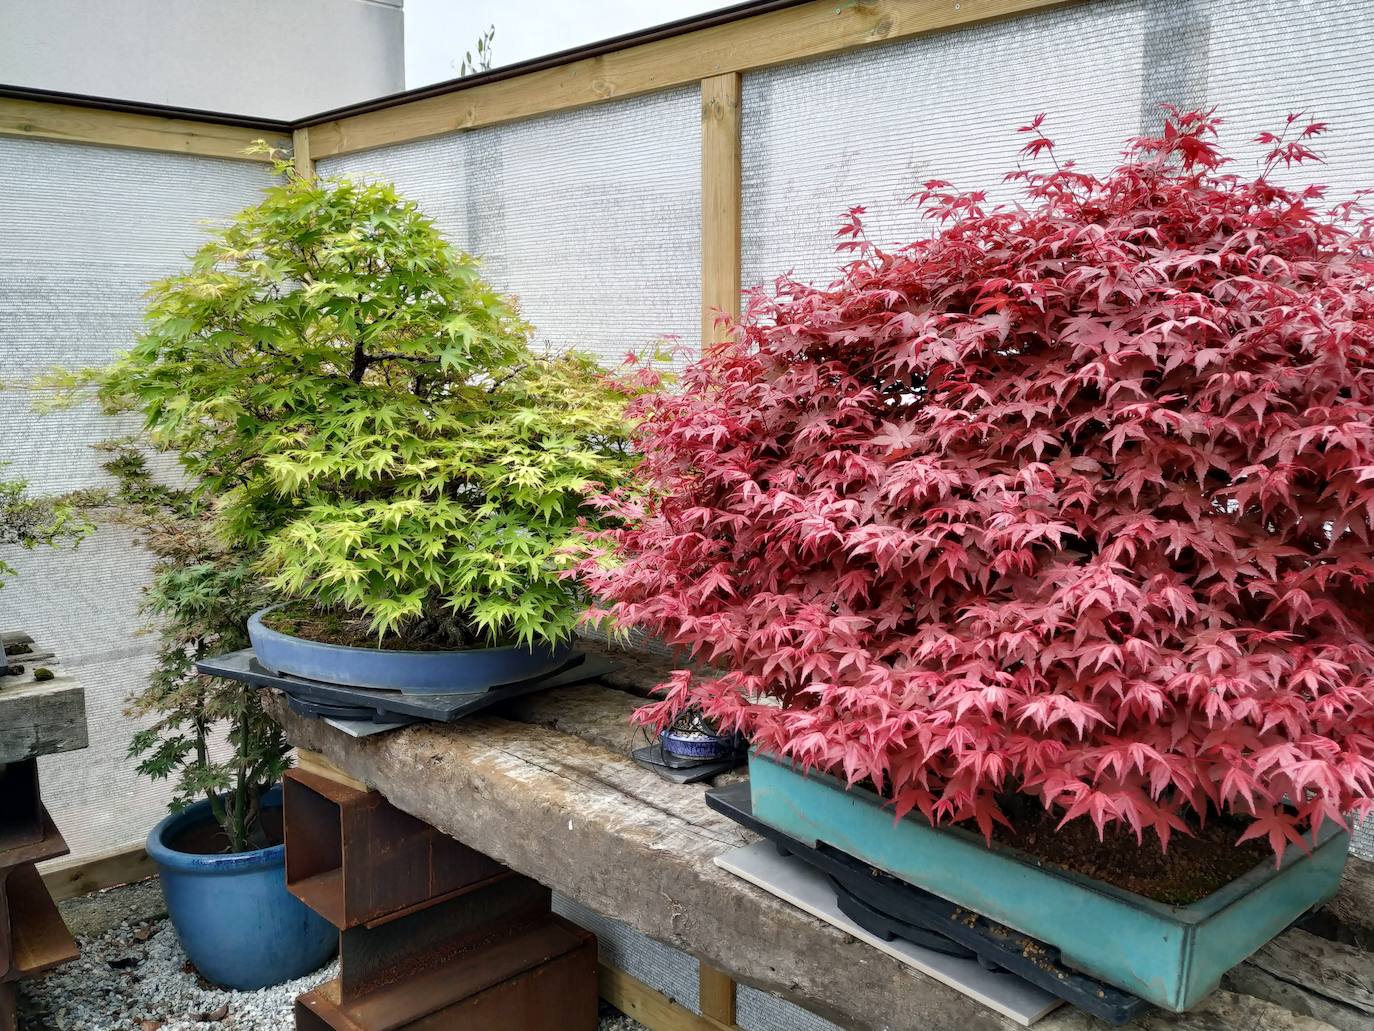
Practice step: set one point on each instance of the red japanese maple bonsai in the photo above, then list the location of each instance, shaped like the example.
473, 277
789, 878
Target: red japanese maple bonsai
1073, 498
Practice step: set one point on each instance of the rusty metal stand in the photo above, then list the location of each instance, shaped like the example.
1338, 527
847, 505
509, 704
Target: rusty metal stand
33, 938
432, 934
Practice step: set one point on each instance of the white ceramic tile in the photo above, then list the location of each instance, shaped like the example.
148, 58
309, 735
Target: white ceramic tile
794, 881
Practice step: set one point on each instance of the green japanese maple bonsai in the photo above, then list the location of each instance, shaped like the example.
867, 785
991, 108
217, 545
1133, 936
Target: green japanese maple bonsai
367, 417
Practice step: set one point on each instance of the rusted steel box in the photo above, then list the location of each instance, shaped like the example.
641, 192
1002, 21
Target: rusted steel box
541, 978
21, 808
33, 937
356, 859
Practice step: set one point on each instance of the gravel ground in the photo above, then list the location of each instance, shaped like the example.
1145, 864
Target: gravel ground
133, 976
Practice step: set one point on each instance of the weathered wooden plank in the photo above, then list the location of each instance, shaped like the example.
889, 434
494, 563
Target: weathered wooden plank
1248, 979
43, 120
1353, 904
636, 672
40, 717
778, 37
592, 712
1220, 1011
1336, 971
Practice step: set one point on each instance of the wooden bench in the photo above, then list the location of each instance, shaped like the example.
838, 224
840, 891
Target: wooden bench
548, 788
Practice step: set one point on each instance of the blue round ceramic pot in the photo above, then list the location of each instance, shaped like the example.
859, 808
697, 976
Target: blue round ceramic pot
237, 922
699, 746
470, 671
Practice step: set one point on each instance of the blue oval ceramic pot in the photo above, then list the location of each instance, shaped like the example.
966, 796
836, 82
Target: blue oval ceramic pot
237, 922
470, 671
698, 745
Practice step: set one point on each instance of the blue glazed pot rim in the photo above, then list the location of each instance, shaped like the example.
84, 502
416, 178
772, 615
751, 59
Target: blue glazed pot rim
1330, 836
256, 624
220, 863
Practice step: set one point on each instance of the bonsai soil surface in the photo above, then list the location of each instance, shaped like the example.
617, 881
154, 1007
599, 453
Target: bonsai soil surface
1195, 865
209, 839
303, 620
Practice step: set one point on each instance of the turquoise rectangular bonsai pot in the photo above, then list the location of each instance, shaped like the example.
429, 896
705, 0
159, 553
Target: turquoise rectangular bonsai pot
1171, 956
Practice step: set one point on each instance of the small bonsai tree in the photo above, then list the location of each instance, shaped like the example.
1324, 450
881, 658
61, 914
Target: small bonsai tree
359, 409
1071, 499
200, 597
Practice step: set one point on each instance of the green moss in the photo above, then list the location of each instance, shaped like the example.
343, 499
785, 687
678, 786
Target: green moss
43, 673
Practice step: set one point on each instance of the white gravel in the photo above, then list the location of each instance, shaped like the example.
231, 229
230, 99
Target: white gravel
152, 987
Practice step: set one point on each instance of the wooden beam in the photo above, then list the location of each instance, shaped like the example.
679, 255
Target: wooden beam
651, 1008
716, 994
721, 214
71, 878
314, 762
40, 120
300, 154
777, 37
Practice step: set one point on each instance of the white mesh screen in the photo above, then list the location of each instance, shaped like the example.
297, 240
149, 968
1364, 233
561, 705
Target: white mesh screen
82, 232
590, 218
869, 127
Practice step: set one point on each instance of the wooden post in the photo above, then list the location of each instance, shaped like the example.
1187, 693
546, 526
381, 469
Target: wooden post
716, 994
300, 152
720, 201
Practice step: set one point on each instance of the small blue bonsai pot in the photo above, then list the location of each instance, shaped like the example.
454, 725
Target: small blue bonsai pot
470, 671
690, 744
237, 922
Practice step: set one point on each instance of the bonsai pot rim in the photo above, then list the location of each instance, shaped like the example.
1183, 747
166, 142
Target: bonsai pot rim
255, 622
455, 671
213, 863
1192, 913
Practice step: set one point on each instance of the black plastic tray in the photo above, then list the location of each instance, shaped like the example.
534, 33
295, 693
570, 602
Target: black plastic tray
384, 706
885, 905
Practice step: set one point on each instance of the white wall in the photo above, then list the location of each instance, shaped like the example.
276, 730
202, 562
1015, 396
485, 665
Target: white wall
268, 58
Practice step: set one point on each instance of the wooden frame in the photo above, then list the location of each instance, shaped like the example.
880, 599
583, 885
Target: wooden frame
651, 1007
35, 119
70, 878
778, 37
721, 214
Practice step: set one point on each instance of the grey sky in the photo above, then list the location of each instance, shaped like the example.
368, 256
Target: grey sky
439, 31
